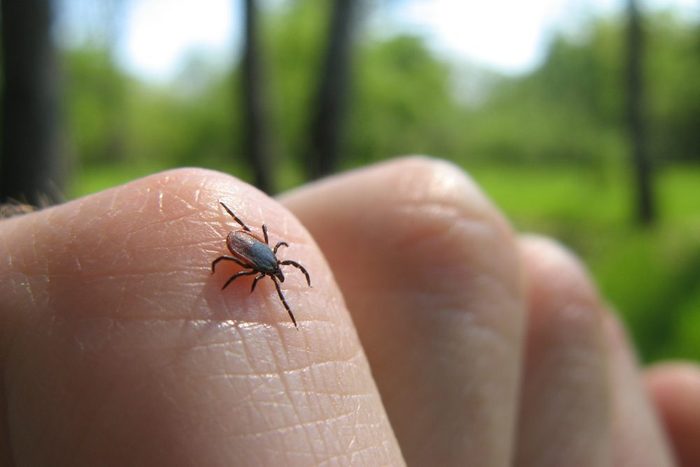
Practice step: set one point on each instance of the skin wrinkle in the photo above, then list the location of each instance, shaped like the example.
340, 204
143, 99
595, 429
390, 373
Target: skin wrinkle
358, 414
456, 228
565, 352
16, 277
331, 443
442, 301
196, 273
285, 429
447, 302
285, 376
307, 396
252, 362
560, 408
309, 386
458, 224
479, 337
578, 364
16, 271
122, 295
449, 214
323, 421
437, 241
173, 190
165, 224
423, 178
291, 374
8, 255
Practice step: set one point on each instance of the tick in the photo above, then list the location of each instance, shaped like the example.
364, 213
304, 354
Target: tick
255, 255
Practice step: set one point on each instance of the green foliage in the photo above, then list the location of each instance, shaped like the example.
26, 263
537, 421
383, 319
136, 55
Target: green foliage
116, 120
184, 129
565, 112
95, 105
650, 276
571, 109
674, 101
295, 35
402, 102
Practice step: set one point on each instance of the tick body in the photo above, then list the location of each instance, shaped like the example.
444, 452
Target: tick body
257, 258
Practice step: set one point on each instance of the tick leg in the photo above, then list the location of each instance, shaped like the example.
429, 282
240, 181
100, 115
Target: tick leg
267, 240
255, 282
300, 267
284, 302
279, 245
226, 258
235, 217
236, 276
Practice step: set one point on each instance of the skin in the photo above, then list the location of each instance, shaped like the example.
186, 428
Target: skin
434, 334
674, 387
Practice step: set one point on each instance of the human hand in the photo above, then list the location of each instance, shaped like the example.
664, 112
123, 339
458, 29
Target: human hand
118, 346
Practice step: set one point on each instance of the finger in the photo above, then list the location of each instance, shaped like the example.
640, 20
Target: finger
122, 349
675, 391
565, 401
431, 274
638, 439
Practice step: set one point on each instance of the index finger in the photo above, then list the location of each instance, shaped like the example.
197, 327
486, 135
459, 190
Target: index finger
120, 346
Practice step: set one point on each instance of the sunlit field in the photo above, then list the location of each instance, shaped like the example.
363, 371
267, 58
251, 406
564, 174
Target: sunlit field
649, 275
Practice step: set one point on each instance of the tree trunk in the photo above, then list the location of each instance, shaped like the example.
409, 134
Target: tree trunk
328, 118
30, 169
641, 164
256, 137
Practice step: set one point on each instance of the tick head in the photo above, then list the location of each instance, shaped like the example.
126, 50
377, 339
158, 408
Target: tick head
278, 274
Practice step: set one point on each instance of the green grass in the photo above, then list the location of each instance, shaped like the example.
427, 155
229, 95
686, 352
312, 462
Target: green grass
651, 275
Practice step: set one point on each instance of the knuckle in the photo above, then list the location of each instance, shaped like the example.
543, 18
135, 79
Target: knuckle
440, 209
560, 293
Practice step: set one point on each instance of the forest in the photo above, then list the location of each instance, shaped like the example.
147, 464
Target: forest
551, 147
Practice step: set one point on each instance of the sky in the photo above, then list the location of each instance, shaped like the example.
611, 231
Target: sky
507, 35
160, 34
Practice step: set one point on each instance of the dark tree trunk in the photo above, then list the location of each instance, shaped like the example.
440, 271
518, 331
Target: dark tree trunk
641, 164
29, 164
329, 112
256, 136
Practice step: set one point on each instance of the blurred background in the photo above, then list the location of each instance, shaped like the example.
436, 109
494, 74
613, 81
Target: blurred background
580, 118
